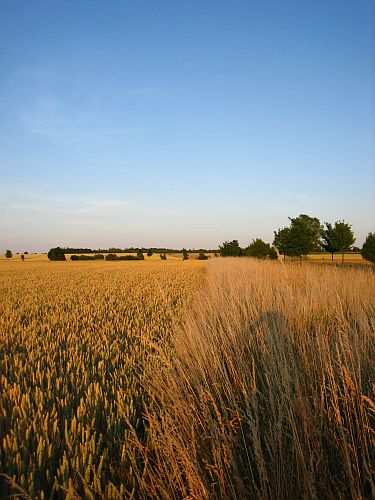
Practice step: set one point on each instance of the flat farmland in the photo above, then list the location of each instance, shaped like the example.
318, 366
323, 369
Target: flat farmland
74, 340
227, 378
349, 258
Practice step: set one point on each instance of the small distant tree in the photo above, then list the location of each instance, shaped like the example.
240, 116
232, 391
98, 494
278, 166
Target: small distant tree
26, 253
8, 254
230, 249
258, 248
202, 256
22, 257
338, 238
185, 255
140, 255
283, 241
163, 256
272, 254
368, 249
150, 253
56, 254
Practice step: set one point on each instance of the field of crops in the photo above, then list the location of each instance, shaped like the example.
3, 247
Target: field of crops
348, 257
74, 341
231, 378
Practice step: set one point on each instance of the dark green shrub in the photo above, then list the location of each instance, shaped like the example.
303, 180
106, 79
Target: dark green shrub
56, 254
111, 256
97, 256
202, 256
230, 249
140, 255
258, 249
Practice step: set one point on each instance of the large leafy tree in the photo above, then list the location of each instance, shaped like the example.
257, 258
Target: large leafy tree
258, 248
368, 249
230, 249
338, 238
8, 254
283, 241
305, 235
56, 254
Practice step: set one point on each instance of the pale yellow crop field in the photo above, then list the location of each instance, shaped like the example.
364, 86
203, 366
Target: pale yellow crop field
226, 378
74, 340
337, 257
29, 257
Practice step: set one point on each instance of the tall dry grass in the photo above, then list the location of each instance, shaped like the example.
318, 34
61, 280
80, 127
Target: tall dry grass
269, 392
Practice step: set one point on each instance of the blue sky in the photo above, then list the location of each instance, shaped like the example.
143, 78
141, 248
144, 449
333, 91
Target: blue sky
183, 123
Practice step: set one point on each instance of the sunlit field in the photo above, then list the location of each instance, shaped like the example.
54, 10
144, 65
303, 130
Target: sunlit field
349, 258
229, 378
74, 341
270, 390
198, 179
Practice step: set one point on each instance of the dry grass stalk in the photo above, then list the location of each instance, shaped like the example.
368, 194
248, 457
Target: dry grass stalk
270, 392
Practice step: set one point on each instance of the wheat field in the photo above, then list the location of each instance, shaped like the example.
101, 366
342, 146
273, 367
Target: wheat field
74, 341
231, 378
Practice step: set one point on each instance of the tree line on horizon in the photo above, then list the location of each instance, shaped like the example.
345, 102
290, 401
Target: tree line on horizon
72, 250
304, 235
58, 253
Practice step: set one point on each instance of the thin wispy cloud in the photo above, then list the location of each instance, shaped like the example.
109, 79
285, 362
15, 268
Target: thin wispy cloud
62, 217
52, 117
35, 206
46, 112
68, 132
40, 203
80, 220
